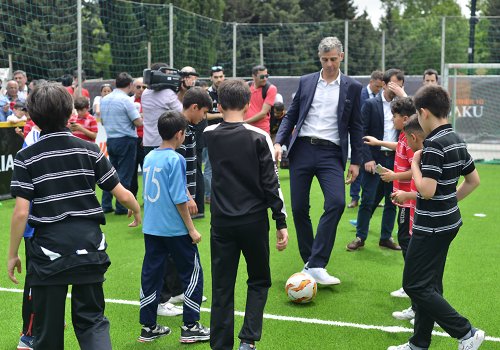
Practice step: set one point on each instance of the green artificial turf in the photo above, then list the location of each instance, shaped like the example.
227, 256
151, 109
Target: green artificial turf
368, 276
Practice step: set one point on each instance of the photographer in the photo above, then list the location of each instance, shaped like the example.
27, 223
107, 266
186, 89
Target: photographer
155, 103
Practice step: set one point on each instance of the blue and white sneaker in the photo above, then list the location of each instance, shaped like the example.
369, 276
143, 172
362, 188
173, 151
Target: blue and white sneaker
26, 342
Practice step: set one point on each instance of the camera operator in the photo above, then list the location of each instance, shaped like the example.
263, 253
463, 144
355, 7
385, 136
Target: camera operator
155, 103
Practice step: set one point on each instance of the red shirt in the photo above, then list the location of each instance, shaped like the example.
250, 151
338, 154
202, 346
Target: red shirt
402, 163
140, 129
85, 92
256, 103
88, 122
27, 127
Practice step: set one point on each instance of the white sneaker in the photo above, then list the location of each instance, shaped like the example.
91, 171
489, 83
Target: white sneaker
179, 299
473, 342
400, 293
169, 309
400, 347
406, 314
321, 276
412, 321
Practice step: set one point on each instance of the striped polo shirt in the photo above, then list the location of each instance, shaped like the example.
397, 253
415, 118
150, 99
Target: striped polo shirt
188, 151
444, 159
59, 174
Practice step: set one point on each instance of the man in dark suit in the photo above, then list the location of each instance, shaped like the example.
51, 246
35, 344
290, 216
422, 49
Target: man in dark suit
324, 111
369, 91
377, 122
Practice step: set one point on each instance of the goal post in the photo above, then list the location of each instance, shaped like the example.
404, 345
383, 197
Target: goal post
475, 108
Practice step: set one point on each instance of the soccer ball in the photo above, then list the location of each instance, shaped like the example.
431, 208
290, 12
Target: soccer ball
301, 288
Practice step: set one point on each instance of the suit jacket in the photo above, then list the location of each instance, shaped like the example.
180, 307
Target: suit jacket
373, 124
348, 112
364, 95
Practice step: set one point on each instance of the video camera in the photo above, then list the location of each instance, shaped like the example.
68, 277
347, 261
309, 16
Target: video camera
165, 78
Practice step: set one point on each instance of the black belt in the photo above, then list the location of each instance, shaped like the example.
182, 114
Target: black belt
319, 142
388, 153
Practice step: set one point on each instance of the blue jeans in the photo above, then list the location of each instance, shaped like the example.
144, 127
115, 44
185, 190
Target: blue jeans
122, 152
207, 173
374, 189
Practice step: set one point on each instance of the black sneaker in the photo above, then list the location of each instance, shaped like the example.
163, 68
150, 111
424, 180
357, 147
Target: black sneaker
194, 334
246, 346
149, 334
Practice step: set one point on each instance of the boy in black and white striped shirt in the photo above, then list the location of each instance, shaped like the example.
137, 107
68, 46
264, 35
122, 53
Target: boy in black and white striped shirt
58, 174
436, 171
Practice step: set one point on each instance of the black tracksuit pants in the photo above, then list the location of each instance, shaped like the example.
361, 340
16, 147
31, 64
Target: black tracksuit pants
226, 245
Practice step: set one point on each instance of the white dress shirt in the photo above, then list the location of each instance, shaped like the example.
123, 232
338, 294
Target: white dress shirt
322, 120
390, 134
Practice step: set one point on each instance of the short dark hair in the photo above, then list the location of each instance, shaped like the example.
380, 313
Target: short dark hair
258, 68
197, 96
201, 83
170, 123
81, 103
393, 72
38, 82
66, 80
20, 105
75, 74
279, 106
403, 106
234, 94
50, 105
431, 71
123, 80
158, 65
413, 126
377, 75
215, 69
435, 99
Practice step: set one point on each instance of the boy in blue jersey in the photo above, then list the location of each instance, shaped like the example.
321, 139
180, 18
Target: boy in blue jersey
168, 229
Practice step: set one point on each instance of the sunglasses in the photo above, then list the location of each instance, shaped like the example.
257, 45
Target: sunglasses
141, 87
217, 68
264, 76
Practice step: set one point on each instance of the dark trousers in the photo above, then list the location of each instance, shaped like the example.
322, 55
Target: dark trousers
27, 308
404, 229
87, 314
139, 160
172, 285
226, 245
423, 282
374, 189
186, 258
122, 155
200, 183
355, 188
324, 162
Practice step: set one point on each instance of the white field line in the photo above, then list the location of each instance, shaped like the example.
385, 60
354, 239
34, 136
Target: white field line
388, 329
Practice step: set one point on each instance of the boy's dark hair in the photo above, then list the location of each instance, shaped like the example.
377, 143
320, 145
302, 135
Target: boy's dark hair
403, 106
38, 82
50, 105
431, 71
234, 94
170, 123
20, 105
201, 83
257, 69
279, 106
413, 126
435, 99
391, 72
197, 96
123, 80
66, 80
81, 103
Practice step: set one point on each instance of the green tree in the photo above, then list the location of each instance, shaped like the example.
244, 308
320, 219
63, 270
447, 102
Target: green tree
493, 36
